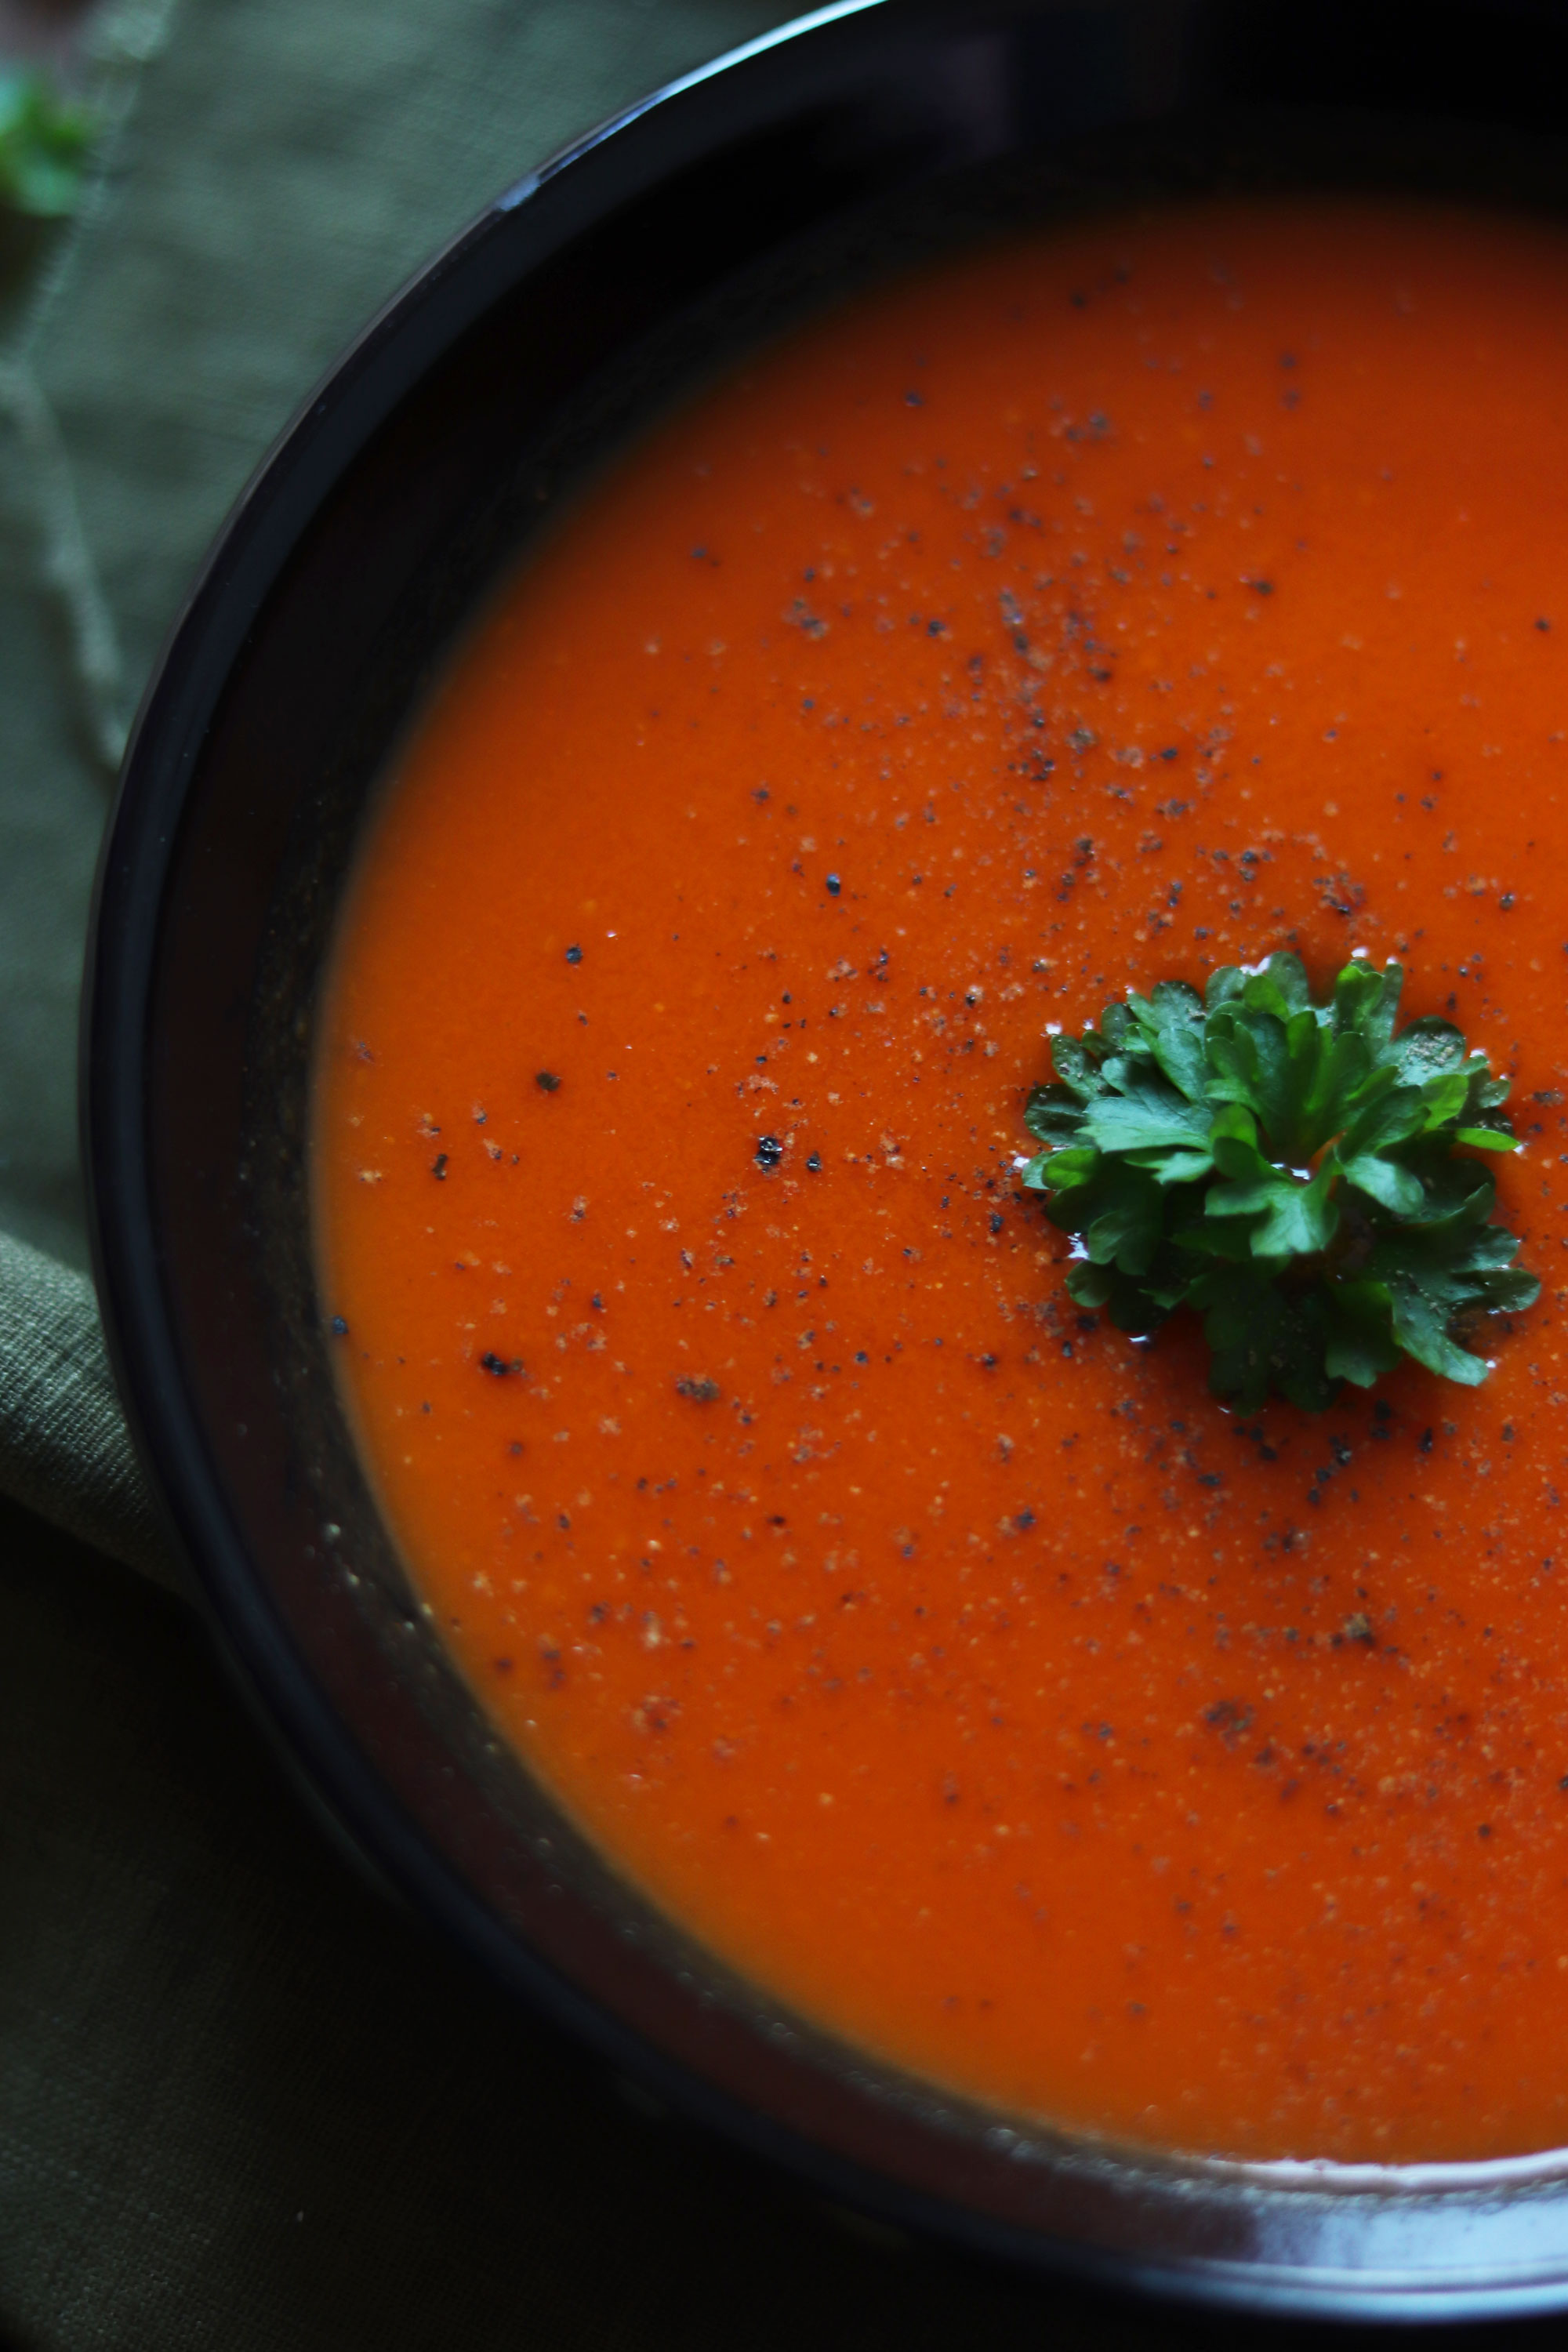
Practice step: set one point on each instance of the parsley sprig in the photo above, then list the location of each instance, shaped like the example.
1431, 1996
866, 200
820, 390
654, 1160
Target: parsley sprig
44, 141
1289, 1169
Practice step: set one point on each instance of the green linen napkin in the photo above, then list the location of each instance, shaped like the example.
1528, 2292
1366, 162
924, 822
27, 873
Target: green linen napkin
64, 1447
244, 2102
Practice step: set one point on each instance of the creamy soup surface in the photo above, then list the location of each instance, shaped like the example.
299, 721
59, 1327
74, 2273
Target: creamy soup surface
1093, 611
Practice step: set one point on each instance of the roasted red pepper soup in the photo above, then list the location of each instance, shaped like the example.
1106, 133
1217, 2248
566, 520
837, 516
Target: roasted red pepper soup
1091, 612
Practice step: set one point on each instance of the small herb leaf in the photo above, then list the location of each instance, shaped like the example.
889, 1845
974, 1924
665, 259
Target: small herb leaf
44, 141
1385, 1180
1076, 1068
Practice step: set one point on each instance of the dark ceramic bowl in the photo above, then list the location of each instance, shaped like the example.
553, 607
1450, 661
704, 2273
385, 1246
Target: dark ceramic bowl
587, 295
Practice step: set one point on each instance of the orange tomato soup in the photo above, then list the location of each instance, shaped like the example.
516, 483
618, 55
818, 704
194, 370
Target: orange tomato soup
1091, 611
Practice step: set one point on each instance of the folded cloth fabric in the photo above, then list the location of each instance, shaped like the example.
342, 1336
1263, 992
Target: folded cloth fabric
65, 1450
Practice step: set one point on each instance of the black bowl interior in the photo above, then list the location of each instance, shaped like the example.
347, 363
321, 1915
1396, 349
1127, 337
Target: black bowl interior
582, 303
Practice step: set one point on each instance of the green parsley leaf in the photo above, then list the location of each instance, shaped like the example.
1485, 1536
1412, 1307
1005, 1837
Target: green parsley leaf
1292, 1171
44, 141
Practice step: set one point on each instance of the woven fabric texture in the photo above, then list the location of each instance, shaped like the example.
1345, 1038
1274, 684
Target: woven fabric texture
64, 1448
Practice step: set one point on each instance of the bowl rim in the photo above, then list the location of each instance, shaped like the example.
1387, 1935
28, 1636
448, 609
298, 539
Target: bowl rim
336, 421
